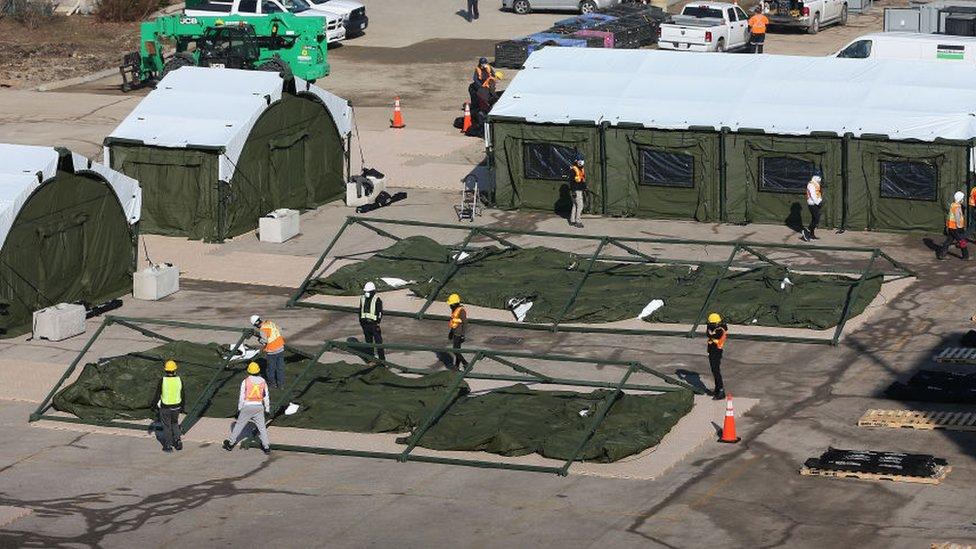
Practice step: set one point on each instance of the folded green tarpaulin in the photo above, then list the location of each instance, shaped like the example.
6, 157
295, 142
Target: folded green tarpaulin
498, 278
371, 399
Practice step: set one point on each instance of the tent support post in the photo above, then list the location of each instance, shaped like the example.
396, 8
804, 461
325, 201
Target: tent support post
318, 264
208, 391
598, 419
296, 384
603, 166
434, 416
143, 331
518, 367
379, 231
711, 291
905, 270
722, 175
845, 180
452, 269
850, 299
106, 322
579, 285
633, 251
500, 240
763, 257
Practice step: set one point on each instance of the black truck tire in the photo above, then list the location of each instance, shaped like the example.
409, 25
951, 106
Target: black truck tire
276, 64
179, 60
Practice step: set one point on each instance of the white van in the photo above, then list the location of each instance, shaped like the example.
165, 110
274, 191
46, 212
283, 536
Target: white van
912, 45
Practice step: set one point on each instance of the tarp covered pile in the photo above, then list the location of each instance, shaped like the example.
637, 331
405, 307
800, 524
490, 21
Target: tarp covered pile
504, 278
340, 396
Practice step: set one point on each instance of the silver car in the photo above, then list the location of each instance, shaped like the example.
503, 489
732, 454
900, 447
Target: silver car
583, 6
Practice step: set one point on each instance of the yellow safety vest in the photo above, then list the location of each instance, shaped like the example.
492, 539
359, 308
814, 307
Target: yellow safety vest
368, 314
172, 387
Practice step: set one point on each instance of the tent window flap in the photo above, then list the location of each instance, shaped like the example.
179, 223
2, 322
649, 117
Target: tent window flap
785, 174
666, 169
548, 161
909, 180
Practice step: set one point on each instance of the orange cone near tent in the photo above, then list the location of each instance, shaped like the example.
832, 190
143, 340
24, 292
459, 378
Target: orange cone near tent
397, 121
728, 430
466, 125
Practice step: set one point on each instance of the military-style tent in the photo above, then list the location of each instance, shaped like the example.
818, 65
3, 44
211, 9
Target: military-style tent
68, 232
215, 149
735, 137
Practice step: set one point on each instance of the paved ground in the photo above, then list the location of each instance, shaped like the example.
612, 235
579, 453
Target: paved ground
65, 488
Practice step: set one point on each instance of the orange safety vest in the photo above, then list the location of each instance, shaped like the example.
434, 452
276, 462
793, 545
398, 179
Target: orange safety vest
455, 318
254, 390
972, 198
272, 334
720, 341
487, 81
757, 24
579, 174
955, 219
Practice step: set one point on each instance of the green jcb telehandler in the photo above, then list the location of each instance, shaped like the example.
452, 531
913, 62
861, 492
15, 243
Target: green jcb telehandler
281, 43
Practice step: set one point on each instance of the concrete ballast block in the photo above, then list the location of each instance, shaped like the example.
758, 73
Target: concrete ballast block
156, 282
278, 226
59, 322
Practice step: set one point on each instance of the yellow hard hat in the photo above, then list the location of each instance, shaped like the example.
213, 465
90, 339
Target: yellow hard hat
253, 368
170, 366
714, 318
453, 299
499, 75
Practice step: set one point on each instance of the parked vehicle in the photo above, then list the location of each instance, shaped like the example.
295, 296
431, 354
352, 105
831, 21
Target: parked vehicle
910, 45
811, 15
350, 12
706, 26
334, 29
583, 6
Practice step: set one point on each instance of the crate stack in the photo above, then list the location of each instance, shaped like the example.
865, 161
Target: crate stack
628, 26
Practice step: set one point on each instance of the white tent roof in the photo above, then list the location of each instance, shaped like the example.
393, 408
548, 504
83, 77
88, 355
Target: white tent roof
20, 164
207, 107
779, 94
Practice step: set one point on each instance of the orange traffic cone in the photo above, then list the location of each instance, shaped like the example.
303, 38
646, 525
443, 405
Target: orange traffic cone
397, 121
728, 430
466, 125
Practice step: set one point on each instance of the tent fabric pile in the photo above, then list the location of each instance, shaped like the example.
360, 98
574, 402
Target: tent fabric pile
935, 386
371, 399
500, 278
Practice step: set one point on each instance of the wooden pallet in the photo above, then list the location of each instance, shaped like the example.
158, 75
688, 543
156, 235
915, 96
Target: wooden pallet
940, 474
957, 355
917, 419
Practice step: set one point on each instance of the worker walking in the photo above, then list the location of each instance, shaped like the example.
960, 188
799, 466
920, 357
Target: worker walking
170, 399
955, 229
274, 350
757, 29
814, 201
458, 325
370, 315
472, 10
717, 332
252, 404
577, 188
972, 207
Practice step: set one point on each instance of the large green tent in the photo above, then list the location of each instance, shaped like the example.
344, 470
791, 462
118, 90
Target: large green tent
735, 138
216, 149
68, 232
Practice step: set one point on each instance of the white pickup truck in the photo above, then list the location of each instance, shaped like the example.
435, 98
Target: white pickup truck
335, 30
705, 26
806, 14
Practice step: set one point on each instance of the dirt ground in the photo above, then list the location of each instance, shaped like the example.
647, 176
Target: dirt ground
64, 48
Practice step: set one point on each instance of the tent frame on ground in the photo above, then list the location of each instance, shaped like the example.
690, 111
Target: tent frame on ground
509, 359
627, 244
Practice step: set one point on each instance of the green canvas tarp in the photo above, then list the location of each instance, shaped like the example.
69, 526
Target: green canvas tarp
497, 278
372, 399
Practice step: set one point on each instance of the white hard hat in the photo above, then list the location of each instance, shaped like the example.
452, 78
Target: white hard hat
580, 161
816, 178
369, 287
255, 319
959, 196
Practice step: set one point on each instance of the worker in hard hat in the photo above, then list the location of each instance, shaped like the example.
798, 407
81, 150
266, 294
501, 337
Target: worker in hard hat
458, 326
577, 188
252, 404
717, 331
955, 229
370, 315
170, 399
274, 350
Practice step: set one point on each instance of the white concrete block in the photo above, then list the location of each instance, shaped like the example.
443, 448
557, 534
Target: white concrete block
278, 226
59, 322
156, 282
